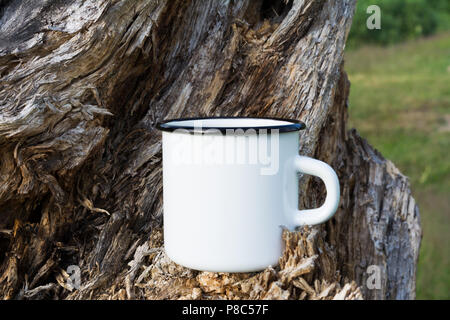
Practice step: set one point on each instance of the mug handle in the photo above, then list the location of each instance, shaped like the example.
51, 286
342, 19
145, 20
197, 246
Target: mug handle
326, 173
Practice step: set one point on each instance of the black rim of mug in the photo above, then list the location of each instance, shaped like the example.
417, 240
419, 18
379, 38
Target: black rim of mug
293, 125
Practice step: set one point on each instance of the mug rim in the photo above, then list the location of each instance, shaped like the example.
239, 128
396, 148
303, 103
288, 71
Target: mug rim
292, 125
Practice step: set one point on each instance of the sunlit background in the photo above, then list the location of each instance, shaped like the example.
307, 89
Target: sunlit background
400, 102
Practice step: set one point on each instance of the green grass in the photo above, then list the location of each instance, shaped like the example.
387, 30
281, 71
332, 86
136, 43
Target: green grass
400, 101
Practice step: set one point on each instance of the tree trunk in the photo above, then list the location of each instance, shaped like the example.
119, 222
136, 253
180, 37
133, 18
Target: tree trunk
82, 85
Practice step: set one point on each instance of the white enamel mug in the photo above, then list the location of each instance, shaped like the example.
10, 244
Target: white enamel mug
230, 186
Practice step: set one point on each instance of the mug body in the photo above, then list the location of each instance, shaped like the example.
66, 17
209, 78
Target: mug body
225, 196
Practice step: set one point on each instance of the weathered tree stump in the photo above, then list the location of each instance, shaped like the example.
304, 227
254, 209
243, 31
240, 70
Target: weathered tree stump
82, 85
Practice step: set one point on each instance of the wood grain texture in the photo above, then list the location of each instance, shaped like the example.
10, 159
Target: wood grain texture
82, 85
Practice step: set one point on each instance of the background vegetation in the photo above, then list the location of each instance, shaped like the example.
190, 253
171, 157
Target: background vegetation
401, 20
400, 102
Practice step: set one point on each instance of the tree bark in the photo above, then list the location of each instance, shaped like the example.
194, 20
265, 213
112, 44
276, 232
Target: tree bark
82, 85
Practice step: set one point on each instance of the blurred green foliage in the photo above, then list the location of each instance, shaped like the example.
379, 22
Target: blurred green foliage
400, 101
400, 20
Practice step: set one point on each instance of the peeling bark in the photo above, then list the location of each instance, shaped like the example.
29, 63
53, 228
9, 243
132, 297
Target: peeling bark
82, 85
